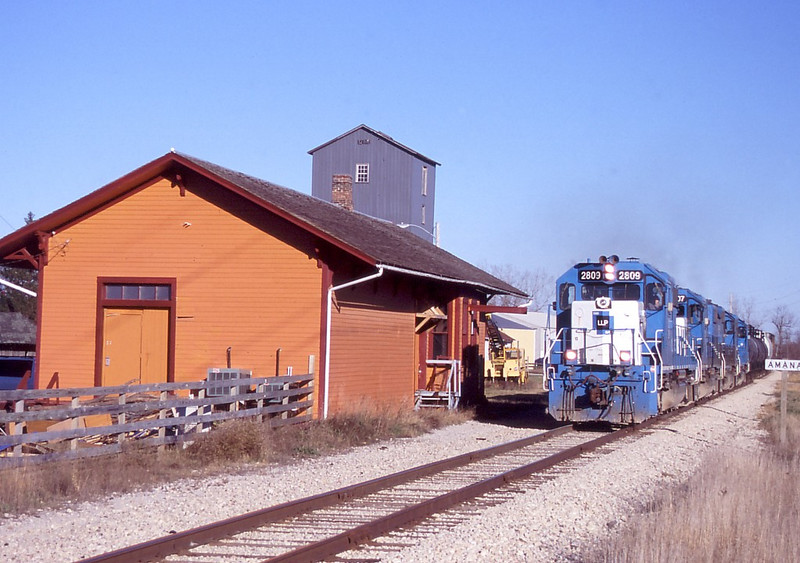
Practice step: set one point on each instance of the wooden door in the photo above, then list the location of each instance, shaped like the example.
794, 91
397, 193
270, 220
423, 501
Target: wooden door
135, 346
155, 337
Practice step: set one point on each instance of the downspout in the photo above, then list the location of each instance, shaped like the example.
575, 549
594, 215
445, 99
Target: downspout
329, 306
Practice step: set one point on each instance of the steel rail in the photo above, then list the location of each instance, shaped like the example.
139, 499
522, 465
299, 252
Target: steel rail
371, 530
402, 518
183, 541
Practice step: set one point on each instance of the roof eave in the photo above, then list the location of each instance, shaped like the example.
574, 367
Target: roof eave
488, 289
383, 136
56, 219
159, 167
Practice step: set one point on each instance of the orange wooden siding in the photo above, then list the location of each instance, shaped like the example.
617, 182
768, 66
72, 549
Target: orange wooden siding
372, 355
238, 284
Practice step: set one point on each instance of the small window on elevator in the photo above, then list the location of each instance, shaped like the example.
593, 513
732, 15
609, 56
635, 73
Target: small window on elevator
362, 173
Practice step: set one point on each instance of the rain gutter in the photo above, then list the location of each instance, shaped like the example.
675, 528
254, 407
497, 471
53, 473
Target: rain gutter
447, 279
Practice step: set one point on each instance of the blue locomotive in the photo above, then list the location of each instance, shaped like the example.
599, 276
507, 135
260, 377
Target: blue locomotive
630, 343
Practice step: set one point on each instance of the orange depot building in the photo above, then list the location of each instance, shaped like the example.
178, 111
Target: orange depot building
183, 265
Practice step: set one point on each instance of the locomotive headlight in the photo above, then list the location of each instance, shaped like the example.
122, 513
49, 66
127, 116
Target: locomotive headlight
625, 357
608, 272
571, 356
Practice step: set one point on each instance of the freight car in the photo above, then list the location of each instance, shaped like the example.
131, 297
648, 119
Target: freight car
630, 343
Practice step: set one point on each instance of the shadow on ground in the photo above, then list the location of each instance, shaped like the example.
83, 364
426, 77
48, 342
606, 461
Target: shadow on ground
519, 406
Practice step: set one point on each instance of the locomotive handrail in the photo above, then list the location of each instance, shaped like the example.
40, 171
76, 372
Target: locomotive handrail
645, 378
658, 367
698, 374
545, 363
721, 357
697, 358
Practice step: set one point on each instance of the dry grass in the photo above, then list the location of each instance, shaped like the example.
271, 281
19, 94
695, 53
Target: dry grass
736, 508
235, 446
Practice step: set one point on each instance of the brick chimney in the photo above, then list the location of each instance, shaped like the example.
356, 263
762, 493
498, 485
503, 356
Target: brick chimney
342, 191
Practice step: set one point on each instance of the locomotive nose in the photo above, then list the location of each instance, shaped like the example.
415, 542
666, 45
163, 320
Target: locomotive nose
603, 302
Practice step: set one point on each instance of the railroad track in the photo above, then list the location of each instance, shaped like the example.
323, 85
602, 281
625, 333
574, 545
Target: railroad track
320, 526
340, 521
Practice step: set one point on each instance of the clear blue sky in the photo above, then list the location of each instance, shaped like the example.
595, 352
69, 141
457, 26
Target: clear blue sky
663, 130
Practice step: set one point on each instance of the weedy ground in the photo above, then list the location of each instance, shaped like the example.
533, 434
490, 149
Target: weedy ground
737, 507
230, 447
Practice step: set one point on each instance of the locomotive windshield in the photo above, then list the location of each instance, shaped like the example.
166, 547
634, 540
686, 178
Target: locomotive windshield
617, 291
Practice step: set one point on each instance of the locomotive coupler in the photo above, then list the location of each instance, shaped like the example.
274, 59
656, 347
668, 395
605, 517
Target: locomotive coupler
597, 396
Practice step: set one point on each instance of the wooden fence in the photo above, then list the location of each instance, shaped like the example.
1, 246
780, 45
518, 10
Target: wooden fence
54, 424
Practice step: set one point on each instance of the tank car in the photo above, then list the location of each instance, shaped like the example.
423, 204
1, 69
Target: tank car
629, 344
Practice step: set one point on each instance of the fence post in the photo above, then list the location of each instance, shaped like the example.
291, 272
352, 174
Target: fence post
233, 406
285, 401
16, 427
261, 390
75, 403
784, 381
162, 415
121, 417
203, 409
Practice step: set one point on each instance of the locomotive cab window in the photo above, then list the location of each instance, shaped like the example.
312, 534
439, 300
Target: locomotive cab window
728, 325
566, 295
617, 291
654, 296
695, 313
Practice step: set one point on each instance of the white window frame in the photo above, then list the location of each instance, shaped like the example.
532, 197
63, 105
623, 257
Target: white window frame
423, 214
362, 173
424, 180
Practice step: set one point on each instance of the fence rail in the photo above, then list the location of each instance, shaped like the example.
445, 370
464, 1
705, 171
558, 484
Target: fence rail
39, 425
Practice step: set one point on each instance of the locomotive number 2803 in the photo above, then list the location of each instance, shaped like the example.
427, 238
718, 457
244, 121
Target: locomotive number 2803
590, 275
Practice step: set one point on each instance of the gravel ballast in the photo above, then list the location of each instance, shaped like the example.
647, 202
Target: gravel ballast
550, 522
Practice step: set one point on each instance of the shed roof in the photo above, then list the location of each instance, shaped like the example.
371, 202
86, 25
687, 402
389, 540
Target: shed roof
16, 328
383, 136
377, 242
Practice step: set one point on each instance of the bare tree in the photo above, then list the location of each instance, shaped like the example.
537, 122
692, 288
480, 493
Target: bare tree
744, 308
791, 350
536, 283
784, 320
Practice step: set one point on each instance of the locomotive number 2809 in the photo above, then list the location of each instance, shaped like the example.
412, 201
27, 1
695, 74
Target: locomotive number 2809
629, 275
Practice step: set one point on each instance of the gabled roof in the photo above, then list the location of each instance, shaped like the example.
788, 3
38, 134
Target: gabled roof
376, 242
383, 136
